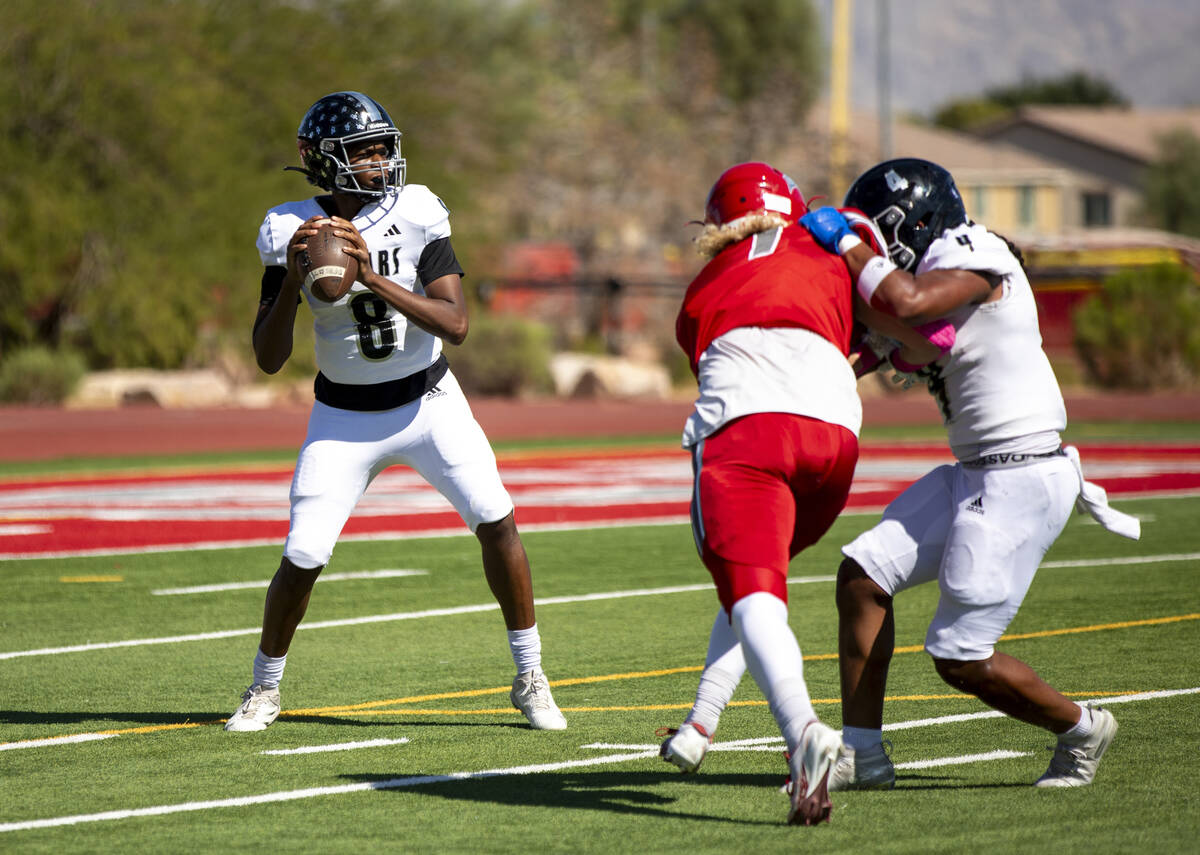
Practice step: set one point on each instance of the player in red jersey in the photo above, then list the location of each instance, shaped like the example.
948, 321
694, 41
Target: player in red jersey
767, 326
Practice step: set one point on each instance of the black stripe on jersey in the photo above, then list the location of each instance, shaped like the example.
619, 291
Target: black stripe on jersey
438, 260
374, 397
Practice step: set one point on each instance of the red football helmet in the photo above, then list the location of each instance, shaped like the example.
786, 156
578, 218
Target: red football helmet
752, 188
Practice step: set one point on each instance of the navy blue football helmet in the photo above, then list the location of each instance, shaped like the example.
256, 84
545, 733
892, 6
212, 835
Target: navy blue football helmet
335, 126
912, 201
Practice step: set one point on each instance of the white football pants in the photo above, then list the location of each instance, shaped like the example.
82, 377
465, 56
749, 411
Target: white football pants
981, 533
436, 435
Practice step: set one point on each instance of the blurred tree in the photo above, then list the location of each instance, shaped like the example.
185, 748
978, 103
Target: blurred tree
1142, 331
152, 138
1173, 184
149, 139
648, 101
1076, 87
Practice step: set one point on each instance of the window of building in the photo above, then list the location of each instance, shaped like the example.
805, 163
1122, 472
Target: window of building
978, 203
1097, 209
1026, 205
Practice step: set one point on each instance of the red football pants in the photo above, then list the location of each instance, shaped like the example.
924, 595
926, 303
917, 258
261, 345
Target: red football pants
766, 486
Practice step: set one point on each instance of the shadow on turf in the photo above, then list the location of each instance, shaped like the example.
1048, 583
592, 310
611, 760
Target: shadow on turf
151, 718
619, 792
947, 782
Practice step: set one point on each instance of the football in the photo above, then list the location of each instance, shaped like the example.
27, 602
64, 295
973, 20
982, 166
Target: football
328, 272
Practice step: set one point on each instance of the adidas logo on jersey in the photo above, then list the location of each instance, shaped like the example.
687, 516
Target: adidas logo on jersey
393, 231
976, 505
435, 392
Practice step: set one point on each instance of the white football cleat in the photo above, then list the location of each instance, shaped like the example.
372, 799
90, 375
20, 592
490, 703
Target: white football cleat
1074, 763
820, 747
868, 769
686, 746
260, 707
531, 695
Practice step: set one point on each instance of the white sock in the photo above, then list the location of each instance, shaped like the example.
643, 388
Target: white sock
526, 648
723, 669
1082, 728
268, 670
773, 658
861, 738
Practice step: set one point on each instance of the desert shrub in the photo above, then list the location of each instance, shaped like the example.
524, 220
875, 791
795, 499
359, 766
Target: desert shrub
503, 355
1142, 330
39, 375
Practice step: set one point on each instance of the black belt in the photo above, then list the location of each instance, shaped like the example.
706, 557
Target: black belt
1011, 459
374, 397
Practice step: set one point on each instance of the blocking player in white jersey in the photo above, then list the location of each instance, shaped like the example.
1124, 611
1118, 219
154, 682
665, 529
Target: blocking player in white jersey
384, 393
981, 526
767, 326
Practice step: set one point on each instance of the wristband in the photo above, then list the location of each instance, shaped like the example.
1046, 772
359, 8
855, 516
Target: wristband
848, 242
873, 273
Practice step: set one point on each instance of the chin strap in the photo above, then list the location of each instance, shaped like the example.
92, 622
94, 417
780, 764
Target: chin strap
306, 173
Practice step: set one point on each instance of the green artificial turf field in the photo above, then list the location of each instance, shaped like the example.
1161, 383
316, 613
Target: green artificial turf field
119, 747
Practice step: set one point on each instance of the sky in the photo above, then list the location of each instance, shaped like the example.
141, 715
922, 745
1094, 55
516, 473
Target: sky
940, 50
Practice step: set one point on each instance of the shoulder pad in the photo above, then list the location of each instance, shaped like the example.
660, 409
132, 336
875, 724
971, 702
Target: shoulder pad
969, 247
418, 204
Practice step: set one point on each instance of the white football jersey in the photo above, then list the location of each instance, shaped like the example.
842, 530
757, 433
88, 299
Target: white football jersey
360, 339
996, 389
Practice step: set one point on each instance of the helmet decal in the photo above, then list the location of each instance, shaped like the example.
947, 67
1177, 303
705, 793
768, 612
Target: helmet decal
912, 201
895, 181
750, 188
337, 126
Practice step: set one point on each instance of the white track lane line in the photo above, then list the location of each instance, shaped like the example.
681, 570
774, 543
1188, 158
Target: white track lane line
264, 583
341, 746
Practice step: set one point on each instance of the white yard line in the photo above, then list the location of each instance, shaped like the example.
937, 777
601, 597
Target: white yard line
1116, 562
341, 746
263, 583
483, 607
639, 752
328, 624
293, 795
55, 740
963, 759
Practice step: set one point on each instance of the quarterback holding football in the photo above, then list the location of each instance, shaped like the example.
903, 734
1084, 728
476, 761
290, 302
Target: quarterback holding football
384, 392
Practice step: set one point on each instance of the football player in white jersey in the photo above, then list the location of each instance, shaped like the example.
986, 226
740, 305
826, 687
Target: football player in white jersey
384, 393
981, 526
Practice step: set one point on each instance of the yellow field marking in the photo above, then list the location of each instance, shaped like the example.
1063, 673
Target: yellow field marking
91, 578
691, 669
376, 707
1097, 627
956, 696
475, 693
149, 728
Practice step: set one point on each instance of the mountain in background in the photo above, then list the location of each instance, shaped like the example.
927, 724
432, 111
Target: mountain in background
944, 50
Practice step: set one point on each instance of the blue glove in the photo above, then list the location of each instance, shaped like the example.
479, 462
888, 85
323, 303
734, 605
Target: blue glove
827, 226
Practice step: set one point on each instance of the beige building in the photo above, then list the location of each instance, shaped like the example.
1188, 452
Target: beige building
1010, 190
1112, 146
1043, 171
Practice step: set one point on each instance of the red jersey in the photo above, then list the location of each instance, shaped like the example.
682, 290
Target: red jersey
777, 278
